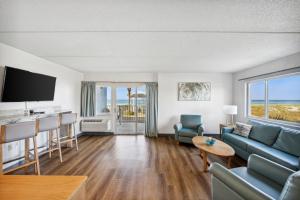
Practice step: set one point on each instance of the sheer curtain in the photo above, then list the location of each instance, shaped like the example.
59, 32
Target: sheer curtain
88, 99
151, 110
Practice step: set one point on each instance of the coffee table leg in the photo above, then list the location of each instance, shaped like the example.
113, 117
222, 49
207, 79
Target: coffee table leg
204, 161
229, 162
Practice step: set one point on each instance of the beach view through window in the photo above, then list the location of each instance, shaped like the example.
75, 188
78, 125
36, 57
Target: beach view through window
283, 98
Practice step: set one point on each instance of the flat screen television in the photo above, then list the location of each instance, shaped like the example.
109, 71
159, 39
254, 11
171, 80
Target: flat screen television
21, 86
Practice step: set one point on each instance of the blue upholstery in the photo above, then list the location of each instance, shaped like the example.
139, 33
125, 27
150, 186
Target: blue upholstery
291, 189
288, 141
189, 127
284, 150
269, 187
262, 179
265, 134
275, 155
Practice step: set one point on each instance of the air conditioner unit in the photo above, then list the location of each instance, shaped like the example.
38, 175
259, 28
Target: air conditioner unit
95, 125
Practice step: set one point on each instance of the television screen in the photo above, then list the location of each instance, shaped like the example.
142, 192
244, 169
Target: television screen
20, 85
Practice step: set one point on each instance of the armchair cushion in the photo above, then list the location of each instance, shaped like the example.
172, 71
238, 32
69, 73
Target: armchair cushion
187, 132
190, 121
236, 183
259, 181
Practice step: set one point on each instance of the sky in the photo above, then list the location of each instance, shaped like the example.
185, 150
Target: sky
285, 88
122, 92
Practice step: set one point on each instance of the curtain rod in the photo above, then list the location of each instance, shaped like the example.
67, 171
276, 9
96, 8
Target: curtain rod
270, 73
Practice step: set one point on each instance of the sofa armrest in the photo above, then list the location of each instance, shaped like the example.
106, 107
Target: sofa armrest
178, 126
227, 130
237, 184
269, 169
200, 130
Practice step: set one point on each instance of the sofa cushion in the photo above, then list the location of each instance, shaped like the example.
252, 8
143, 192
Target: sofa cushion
187, 132
266, 134
275, 155
288, 141
259, 181
237, 140
242, 129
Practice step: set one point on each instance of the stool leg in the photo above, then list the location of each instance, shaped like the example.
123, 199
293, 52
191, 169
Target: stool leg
58, 144
50, 143
1, 160
76, 142
26, 153
48, 134
70, 144
36, 155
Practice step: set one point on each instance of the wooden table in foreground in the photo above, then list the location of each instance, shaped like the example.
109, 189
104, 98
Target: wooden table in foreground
219, 149
42, 187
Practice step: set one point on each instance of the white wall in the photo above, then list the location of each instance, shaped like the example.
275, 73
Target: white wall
169, 108
239, 89
67, 90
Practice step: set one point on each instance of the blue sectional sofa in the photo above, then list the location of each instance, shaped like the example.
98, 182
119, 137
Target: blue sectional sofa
279, 144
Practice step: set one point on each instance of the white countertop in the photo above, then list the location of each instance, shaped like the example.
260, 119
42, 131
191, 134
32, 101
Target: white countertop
21, 118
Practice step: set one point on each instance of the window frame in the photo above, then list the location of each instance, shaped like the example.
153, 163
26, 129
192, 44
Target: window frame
266, 100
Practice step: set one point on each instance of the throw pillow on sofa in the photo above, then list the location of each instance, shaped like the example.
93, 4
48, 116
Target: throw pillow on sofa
288, 141
242, 129
265, 133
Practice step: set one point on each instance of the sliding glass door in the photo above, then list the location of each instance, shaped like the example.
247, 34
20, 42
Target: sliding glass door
130, 109
123, 104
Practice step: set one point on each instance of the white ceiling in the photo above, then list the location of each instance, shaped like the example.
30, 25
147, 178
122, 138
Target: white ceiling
153, 35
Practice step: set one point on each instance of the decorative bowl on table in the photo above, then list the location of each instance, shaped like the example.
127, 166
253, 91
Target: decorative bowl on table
210, 141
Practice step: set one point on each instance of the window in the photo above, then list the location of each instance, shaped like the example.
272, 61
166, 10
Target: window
276, 98
257, 99
103, 99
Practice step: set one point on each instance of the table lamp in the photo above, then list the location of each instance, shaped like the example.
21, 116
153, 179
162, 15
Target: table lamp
230, 110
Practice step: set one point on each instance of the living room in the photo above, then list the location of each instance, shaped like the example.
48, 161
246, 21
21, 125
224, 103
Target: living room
150, 100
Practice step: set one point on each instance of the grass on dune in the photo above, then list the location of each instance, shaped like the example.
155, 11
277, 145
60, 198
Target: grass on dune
285, 112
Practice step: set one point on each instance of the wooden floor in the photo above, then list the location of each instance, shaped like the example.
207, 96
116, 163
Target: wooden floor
133, 167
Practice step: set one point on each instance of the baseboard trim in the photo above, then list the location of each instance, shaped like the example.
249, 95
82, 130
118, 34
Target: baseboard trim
96, 133
166, 135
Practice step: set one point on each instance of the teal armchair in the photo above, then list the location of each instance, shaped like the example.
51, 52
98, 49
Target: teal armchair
189, 127
262, 179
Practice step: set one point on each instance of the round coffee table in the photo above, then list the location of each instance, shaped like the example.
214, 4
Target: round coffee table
219, 149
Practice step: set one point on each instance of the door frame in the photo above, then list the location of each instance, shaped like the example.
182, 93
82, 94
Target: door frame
112, 115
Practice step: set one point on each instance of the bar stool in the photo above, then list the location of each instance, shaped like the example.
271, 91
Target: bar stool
20, 131
51, 124
69, 120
